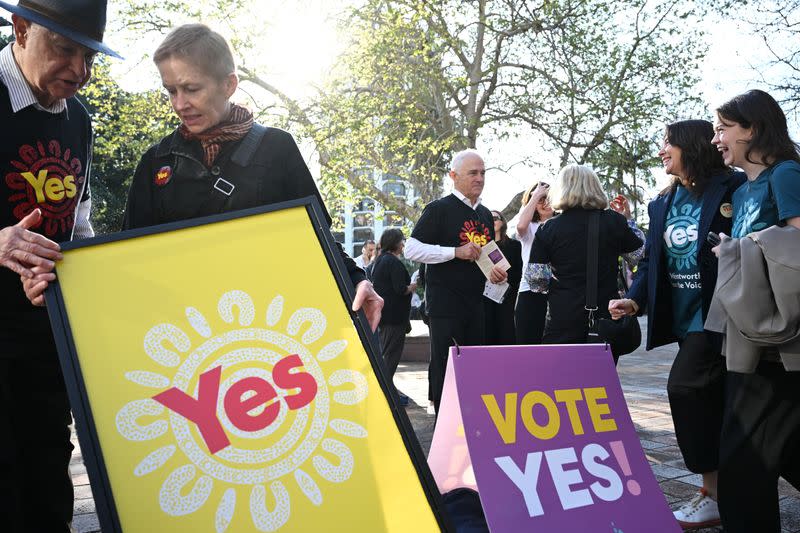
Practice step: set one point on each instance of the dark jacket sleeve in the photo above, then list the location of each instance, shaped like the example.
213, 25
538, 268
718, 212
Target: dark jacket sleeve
400, 278
297, 172
629, 241
514, 256
540, 250
638, 290
139, 207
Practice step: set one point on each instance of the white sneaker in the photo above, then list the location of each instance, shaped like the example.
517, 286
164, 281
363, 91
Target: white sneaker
702, 511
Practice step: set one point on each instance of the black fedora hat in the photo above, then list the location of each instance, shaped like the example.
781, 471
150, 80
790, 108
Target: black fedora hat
82, 21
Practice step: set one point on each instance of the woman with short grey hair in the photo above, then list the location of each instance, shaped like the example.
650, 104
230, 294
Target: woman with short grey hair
219, 159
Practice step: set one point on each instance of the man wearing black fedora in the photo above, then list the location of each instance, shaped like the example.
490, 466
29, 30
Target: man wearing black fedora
45, 158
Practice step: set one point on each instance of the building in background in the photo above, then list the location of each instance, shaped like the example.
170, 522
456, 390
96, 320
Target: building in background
367, 219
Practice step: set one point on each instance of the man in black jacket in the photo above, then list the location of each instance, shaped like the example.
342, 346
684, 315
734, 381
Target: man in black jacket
448, 238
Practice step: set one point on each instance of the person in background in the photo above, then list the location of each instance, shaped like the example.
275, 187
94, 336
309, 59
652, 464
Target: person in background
761, 420
394, 285
376, 251
531, 309
367, 254
45, 161
448, 238
675, 281
500, 316
559, 256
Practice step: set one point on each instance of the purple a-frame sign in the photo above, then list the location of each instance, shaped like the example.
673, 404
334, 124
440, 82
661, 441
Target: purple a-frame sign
551, 441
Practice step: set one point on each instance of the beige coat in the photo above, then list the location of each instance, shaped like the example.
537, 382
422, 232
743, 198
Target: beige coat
757, 298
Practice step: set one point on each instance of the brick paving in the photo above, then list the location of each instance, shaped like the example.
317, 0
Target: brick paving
644, 381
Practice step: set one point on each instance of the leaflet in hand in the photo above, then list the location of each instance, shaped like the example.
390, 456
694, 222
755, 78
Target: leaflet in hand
496, 292
491, 256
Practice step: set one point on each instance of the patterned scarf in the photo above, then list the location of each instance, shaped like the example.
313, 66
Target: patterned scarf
233, 128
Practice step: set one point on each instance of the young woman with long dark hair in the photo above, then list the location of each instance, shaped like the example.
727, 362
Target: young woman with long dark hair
761, 423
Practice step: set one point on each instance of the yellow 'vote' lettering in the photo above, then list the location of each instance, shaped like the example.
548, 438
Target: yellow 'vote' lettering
505, 421
588, 400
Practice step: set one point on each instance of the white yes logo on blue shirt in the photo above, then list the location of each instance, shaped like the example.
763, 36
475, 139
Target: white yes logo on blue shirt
680, 235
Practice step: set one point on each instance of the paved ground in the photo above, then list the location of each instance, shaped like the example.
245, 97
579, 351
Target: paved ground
643, 376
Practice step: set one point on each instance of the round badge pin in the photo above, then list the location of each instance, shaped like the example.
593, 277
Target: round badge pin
726, 209
163, 175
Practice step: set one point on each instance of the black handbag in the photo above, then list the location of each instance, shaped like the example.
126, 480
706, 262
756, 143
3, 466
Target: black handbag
623, 335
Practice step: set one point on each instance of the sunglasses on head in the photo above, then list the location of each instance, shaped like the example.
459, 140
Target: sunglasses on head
497, 217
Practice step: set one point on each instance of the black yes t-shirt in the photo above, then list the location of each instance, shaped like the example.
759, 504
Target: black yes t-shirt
453, 288
44, 160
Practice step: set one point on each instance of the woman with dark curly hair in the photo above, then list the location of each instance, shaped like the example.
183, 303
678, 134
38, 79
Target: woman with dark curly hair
675, 281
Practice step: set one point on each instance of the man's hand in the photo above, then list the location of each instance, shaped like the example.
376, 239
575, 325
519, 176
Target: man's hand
21, 249
621, 205
498, 275
370, 301
35, 286
621, 308
468, 252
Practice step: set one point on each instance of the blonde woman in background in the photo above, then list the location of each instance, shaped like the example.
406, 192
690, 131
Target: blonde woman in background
558, 256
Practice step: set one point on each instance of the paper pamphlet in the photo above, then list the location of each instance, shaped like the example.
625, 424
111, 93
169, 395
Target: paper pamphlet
496, 292
491, 256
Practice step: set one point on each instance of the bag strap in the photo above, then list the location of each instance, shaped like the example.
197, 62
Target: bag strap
592, 246
241, 156
247, 148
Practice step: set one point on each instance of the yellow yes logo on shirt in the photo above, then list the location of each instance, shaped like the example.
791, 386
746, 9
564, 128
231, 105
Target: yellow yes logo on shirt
51, 188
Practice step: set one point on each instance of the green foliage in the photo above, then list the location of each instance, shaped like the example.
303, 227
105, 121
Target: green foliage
6, 36
383, 110
777, 23
593, 81
125, 125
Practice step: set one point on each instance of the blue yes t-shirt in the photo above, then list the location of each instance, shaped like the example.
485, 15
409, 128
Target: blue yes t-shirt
755, 208
680, 249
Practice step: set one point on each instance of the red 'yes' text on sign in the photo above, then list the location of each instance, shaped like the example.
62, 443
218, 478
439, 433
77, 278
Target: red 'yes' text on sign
203, 409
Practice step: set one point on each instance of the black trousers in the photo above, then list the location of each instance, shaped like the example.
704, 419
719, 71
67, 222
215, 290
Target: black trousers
760, 441
529, 317
466, 331
696, 393
35, 486
500, 319
393, 338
